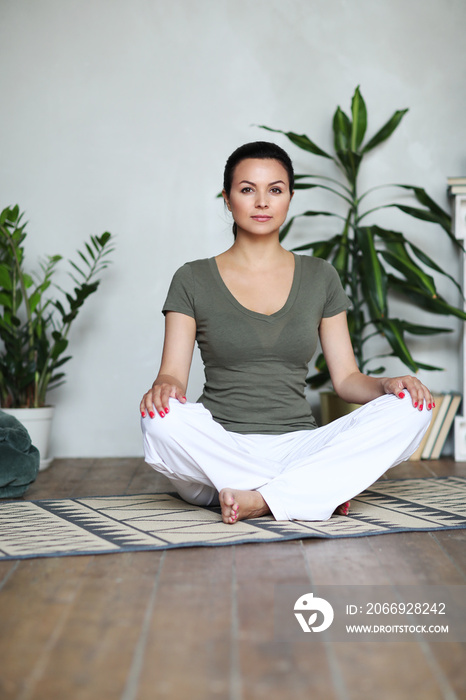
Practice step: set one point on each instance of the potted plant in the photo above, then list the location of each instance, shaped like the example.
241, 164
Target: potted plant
36, 316
375, 264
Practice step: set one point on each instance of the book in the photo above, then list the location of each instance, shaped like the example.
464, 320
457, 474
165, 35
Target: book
446, 426
435, 427
456, 180
438, 398
457, 189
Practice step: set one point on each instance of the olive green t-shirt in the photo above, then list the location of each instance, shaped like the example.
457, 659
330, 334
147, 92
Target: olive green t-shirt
256, 365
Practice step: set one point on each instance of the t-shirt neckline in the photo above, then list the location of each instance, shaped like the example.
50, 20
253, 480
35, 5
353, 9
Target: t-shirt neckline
256, 314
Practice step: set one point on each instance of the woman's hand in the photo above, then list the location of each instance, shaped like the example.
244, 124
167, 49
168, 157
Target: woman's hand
418, 392
172, 379
157, 397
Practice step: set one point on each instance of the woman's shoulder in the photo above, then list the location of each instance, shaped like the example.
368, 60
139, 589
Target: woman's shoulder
193, 268
311, 264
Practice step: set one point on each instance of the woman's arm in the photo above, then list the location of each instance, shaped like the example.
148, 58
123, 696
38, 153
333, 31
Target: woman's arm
172, 379
349, 383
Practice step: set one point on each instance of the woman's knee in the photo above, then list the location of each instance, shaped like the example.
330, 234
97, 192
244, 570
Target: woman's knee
414, 418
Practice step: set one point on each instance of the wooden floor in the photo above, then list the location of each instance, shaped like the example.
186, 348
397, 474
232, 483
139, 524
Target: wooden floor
197, 623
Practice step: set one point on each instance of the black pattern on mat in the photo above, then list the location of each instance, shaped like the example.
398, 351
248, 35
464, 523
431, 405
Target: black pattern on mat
106, 524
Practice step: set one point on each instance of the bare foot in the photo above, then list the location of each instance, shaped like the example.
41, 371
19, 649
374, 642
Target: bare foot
238, 505
343, 509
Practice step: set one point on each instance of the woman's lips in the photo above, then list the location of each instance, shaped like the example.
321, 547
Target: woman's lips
261, 218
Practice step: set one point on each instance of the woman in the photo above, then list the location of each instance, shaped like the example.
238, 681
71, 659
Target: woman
251, 443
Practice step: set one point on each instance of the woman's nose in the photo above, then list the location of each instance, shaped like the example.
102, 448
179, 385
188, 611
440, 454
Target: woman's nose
261, 201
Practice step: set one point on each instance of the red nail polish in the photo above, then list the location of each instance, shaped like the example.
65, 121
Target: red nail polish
162, 414
401, 395
184, 398
166, 410
415, 404
152, 414
143, 414
421, 407
429, 406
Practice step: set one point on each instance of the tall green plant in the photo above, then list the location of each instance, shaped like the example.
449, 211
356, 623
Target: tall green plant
374, 263
34, 325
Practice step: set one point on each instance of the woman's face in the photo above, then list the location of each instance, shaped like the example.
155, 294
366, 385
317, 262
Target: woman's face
259, 197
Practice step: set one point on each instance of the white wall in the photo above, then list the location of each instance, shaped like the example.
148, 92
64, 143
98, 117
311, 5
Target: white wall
119, 116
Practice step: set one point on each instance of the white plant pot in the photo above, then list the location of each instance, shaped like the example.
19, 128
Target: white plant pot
38, 423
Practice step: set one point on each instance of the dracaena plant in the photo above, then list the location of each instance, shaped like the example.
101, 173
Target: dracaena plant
374, 263
36, 315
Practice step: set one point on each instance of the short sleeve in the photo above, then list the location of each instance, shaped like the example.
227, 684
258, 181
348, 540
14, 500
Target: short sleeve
337, 300
180, 295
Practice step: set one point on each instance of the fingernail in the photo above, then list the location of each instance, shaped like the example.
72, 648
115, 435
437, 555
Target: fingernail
166, 410
143, 414
429, 406
152, 414
401, 395
183, 398
161, 414
421, 407
433, 404
415, 404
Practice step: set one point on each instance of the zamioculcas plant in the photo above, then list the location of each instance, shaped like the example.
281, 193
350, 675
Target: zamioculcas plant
34, 325
374, 263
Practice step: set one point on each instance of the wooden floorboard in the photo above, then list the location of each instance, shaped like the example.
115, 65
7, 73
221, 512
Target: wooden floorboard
199, 623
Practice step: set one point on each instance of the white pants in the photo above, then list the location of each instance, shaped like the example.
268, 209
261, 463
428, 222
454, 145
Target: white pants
303, 475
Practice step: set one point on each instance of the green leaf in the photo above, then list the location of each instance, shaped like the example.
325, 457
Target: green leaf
351, 162
34, 300
104, 238
302, 141
397, 256
317, 381
376, 371
61, 361
28, 281
5, 300
77, 269
286, 229
416, 329
5, 279
59, 347
320, 363
321, 249
436, 305
318, 213
374, 276
83, 257
359, 113
322, 377
90, 251
4, 215
423, 198
386, 131
426, 215
393, 332
430, 368
13, 214
304, 186
341, 131
341, 256
433, 265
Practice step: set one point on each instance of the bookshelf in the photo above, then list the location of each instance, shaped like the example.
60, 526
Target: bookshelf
457, 191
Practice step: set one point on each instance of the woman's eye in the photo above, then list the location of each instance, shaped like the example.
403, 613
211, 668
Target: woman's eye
276, 190
246, 189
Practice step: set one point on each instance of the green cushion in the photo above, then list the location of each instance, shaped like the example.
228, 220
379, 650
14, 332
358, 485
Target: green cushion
19, 459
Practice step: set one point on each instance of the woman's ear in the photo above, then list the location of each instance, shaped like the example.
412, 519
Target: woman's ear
225, 197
